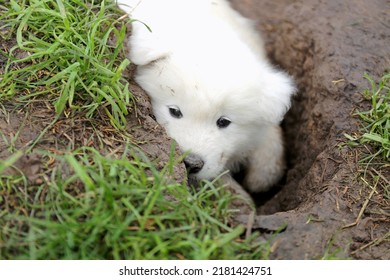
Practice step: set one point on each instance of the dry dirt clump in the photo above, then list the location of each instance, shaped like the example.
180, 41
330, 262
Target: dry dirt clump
327, 46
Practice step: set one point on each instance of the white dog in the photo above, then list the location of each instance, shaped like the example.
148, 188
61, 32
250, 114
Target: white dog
211, 86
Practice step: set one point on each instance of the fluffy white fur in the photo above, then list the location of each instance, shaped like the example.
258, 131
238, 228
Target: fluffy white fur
203, 58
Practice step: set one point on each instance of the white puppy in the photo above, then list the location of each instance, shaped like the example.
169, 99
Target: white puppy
211, 86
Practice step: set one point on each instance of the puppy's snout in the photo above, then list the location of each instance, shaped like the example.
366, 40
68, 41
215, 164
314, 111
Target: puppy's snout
193, 163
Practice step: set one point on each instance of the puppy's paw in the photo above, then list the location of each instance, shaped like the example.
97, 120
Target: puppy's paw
266, 164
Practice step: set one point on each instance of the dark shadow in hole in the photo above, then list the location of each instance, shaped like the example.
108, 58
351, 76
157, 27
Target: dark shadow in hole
261, 198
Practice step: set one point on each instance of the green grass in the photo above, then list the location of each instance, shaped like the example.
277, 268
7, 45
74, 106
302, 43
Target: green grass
374, 136
375, 130
377, 119
67, 55
92, 206
68, 52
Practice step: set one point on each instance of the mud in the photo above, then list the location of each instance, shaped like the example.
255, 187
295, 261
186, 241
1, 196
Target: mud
326, 46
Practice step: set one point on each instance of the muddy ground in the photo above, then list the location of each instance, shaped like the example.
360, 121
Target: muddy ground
326, 46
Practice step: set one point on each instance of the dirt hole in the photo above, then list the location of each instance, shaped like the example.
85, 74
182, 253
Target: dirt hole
327, 46
275, 200
301, 148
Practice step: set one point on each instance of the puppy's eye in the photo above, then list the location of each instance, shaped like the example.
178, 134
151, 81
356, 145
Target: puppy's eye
223, 122
175, 112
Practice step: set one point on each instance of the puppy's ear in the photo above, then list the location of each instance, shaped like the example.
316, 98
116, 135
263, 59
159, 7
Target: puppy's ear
277, 90
144, 44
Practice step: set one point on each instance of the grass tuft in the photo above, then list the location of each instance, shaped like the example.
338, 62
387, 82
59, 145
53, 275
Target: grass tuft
374, 140
69, 52
377, 119
99, 207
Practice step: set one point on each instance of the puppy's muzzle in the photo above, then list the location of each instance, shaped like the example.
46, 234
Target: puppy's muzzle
193, 163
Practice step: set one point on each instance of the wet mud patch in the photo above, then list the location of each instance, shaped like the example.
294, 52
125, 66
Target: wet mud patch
327, 47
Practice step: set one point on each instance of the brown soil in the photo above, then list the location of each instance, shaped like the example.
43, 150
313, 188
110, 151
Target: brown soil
318, 42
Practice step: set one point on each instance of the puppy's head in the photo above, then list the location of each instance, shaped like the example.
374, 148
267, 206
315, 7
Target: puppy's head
215, 99
216, 107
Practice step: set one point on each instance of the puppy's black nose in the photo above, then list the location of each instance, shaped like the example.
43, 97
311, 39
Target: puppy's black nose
193, 163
